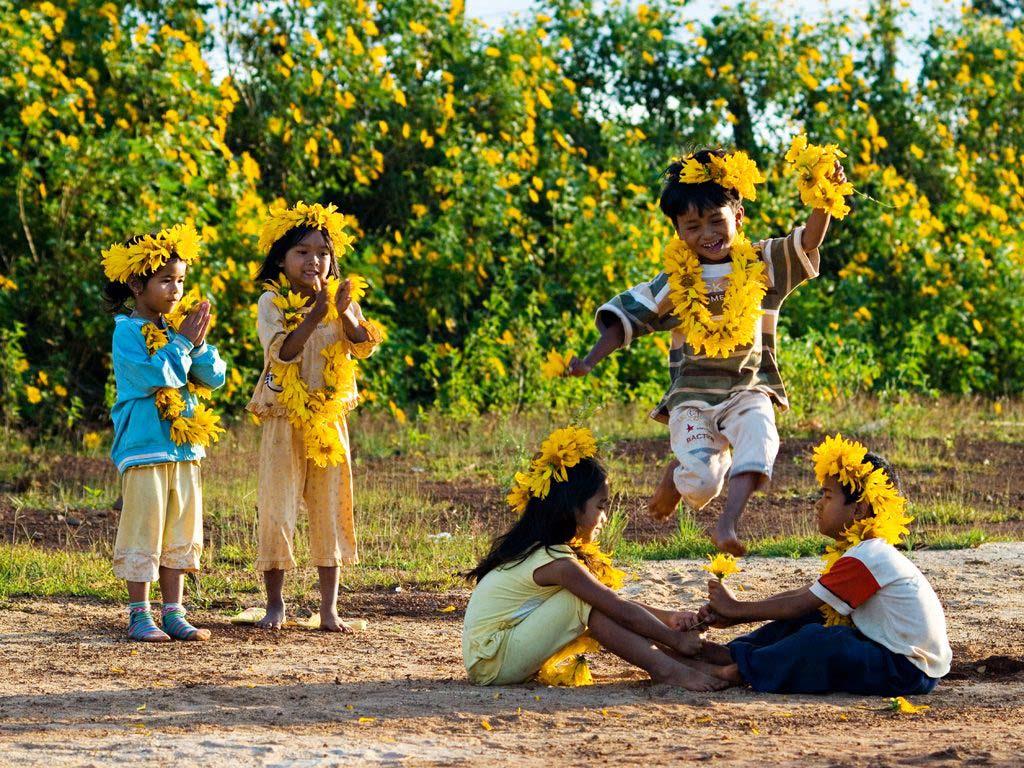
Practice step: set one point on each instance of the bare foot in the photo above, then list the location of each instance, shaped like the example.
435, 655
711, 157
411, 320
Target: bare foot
730, 673
275, 615
725, 539
329, 621
666, 498
715, 653
692, 680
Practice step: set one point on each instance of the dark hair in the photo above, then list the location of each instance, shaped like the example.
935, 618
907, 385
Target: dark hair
878, 462
274, 263
677, 197
546, 522
116, 294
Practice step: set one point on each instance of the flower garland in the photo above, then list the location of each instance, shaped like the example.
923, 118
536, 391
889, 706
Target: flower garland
734, 170
815, 168
203, 427
562, 449
844, 459
328, 219
741, 307
150, 252
317, 412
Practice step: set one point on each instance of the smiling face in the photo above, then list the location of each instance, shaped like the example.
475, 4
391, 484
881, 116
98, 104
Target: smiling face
307, 263
710, 232
834, 512
162, 291
591, 518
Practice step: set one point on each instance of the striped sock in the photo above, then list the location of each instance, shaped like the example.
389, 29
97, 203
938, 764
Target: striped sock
178, 627
141, 625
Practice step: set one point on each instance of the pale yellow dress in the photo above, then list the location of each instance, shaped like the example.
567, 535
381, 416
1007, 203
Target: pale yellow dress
288, 480
513, 625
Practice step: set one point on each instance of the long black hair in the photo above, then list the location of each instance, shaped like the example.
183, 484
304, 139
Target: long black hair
677, 197
116, 294
273, 264
851, 494
546, 522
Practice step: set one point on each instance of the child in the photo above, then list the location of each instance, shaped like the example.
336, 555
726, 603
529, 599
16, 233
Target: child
720, 297
310, 326
896, 645
536, 593
162, 364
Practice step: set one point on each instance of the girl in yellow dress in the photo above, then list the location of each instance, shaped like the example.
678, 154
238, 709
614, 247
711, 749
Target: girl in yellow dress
311, 328
544, 583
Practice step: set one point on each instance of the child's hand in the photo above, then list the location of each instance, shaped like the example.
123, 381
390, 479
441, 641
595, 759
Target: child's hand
721, 601
196, 324
344, 297
578, 367
838, 175
321, 297
708, 618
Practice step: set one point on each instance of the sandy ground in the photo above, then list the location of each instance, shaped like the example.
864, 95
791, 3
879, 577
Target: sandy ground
73, 691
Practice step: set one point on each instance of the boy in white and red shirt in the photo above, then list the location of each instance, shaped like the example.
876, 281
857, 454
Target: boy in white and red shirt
895, 643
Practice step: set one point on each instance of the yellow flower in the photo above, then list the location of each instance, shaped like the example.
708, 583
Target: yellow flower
904, 707
324, 218
33, 394
568, 666
815, 168
722, 565
151, 252
562, 449
91, 440
555, 366
735, 170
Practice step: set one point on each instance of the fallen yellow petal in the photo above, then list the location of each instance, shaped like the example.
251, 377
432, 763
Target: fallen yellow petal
365, 720
486, 725
447, 609
905, 707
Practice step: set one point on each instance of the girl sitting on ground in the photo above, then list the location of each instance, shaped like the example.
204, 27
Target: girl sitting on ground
537, 592
870, 624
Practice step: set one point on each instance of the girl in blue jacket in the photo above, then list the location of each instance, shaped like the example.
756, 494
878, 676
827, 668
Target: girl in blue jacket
163, 367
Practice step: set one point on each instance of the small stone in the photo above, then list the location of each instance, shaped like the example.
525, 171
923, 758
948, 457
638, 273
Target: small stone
73, 521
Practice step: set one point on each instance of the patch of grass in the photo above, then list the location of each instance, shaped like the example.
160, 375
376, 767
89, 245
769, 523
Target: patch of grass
958, 540
30, 571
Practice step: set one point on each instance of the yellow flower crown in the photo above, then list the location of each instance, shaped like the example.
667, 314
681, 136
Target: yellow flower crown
735, 170
325, 218
844, 459
150, 252
563, 448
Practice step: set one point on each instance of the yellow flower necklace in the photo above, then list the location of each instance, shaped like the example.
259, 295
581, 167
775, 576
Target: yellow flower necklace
203, 427
741, 307
844, 459
317, 412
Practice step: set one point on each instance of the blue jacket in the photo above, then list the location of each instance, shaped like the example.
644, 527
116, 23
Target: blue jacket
140, 435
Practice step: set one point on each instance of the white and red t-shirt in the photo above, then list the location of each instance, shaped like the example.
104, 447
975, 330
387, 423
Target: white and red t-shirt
891, 602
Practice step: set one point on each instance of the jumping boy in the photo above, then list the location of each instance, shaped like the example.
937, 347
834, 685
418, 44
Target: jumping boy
720, 297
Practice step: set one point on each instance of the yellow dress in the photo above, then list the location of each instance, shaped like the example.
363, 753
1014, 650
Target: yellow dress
287, 479
513, 625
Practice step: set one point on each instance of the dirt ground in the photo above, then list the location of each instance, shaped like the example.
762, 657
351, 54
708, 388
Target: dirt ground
73, 691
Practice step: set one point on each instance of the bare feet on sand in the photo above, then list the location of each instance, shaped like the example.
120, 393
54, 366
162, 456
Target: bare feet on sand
725, 539
691, 679
275, 616
329, 621
666, 498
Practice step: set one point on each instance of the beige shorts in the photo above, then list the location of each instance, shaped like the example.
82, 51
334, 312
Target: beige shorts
161, 521
715, 442
288, 481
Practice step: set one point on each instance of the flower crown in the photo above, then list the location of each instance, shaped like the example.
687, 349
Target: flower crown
562, 449
325, 218
844, 459
735, 170
150, 252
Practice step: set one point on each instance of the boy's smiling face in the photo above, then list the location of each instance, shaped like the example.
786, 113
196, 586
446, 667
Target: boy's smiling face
710, 233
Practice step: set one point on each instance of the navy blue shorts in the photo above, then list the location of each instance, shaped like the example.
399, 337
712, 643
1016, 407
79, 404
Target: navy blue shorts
804, 656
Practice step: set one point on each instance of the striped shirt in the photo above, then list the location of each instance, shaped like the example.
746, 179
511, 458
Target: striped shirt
696, 379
